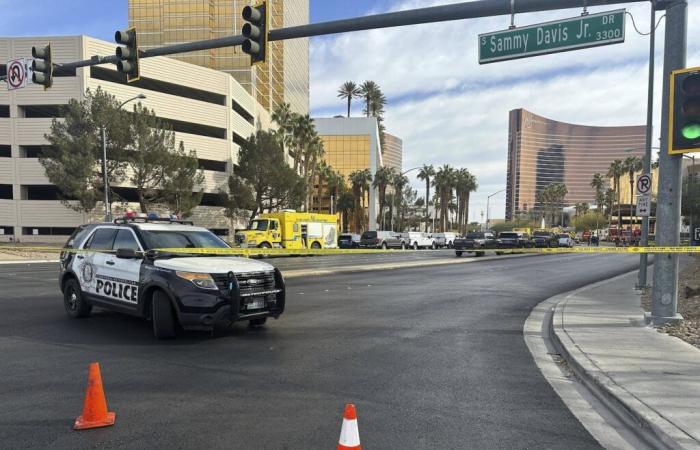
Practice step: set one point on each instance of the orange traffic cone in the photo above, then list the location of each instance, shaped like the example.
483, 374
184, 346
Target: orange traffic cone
95, 408
349, 435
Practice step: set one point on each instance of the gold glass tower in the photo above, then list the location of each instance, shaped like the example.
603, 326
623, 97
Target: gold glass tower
283, 78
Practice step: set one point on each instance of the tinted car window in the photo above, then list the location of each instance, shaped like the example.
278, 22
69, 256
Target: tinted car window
77, 237
508, 235
369, 235
475, 235
102, 239
125, 239
181, 239
345, 237
540, 233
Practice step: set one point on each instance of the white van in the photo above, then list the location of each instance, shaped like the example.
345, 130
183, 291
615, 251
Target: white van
445, 240
417, 239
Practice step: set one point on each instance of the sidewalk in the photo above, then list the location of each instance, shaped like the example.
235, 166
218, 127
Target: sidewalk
650, 380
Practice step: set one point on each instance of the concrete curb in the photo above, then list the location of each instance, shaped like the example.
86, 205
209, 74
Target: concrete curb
29, 261
644, 421
298, 273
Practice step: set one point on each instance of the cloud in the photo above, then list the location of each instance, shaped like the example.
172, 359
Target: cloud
449, 109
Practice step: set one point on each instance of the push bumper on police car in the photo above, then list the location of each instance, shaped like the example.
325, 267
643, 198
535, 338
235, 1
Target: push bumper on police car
238, 297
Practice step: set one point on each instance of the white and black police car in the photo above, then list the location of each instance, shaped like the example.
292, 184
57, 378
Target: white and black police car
119, 266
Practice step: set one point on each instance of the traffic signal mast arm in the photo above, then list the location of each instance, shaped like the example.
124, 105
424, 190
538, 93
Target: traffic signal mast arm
442, 13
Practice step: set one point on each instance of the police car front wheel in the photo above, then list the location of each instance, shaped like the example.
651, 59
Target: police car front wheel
163, 316
76, 306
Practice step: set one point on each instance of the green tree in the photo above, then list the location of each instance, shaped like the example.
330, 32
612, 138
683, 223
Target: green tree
615, 171
349, 91
152, 156
426, 173
261, 165
382, 178
398, 183
598, 183
74, 162
360, 180
444, 187
182, 183
346, 205
375, 101
465, 184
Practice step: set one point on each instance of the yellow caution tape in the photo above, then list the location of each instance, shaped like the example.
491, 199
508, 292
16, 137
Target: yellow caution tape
335, 251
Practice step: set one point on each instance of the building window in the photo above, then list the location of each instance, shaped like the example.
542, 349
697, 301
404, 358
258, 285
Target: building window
195, 128
47, 231
32, 151
42, 192
5, 151
6, 191
210, 199
238, 139
6, 230
242, 112
41, 111
4, 110
209, 164
150, 84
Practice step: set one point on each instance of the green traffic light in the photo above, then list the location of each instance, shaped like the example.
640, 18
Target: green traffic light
691, 130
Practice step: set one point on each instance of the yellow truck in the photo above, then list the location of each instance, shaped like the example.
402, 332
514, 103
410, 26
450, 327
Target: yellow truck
290, 229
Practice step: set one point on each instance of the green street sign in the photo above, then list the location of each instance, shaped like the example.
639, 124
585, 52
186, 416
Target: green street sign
551, 37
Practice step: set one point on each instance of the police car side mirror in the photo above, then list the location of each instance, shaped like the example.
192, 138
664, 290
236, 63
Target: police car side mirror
128, 253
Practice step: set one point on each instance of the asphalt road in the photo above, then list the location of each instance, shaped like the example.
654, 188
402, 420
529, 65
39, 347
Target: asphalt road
433, 358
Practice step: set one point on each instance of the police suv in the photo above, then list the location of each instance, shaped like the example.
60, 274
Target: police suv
119, 266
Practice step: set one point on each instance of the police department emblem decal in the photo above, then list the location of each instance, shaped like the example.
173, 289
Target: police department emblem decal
88, 272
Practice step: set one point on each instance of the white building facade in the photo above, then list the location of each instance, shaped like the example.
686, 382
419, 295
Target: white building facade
208, 110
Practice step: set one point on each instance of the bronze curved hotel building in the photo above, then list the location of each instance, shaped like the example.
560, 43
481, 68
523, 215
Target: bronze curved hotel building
542, 151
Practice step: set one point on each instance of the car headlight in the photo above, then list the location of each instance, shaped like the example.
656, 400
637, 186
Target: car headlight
201, 280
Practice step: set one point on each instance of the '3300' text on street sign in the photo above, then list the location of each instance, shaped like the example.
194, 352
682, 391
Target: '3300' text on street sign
552, 37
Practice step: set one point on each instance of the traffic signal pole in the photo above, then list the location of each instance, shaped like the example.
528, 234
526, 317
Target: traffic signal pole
668, 209
643, 258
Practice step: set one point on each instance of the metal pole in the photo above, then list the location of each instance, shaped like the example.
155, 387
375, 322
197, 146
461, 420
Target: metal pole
643, 258
668, 209
108, 207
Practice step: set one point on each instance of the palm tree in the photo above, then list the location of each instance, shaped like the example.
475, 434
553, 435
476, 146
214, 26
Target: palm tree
369, 90
346, 205
382, 179
560, 191
444, 185
598, 183
398, 182
615, 171
426, 173
349, 90
465, 184
633, 164
360, 180
336, 187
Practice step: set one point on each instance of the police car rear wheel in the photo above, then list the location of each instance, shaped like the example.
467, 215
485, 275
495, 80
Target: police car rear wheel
163, 317
254, 323
76, 306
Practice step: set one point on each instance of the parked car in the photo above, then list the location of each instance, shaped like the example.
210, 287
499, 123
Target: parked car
476, 242
564, 240
445, 240
544, 238
514, 239
381, 239
417, 239
349, 240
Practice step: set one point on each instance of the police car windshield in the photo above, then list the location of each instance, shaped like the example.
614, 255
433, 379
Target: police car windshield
155, 239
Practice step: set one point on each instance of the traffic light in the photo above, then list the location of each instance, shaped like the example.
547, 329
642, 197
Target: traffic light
128, 55
255, 31
42, 66
684, 114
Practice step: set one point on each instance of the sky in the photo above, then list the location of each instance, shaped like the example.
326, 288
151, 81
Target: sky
446, 107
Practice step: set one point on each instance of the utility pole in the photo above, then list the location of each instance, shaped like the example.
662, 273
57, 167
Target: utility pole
488, 209
668, 209
643, 258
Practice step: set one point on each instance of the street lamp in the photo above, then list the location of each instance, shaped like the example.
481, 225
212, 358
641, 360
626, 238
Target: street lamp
108, 206
488, 210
